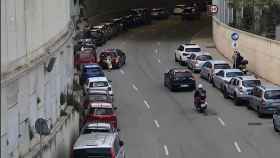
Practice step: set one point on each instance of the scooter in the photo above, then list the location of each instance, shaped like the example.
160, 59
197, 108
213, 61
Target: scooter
201, 105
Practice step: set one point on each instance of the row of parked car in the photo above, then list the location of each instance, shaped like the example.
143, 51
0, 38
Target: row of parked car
243, 89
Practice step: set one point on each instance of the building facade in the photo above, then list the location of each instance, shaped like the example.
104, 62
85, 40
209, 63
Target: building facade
36, 67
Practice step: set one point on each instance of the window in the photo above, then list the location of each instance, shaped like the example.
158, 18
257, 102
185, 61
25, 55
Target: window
207, 64
204, 58
101, 111
220, 73
257, 92
192, 50
181, 48
272, 94
97, 97
251, 83
93, 153
221, 66
234, 74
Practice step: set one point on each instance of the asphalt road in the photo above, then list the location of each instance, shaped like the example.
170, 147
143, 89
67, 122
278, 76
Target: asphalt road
157, 123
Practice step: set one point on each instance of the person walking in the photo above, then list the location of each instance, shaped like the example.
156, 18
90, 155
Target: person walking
109, 63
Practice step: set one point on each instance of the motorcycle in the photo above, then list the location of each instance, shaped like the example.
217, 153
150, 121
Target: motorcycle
201, 104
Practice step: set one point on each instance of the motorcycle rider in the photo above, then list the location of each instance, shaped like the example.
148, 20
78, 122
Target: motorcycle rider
198, 94
237, 58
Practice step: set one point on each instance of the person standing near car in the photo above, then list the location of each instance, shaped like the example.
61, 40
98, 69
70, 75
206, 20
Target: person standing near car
109, 63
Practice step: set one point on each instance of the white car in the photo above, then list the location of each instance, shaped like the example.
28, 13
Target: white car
196, 60
178, 10
211, 67
183, 52
98, 83
223, 76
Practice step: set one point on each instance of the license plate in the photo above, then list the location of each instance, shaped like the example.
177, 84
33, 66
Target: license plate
184, 85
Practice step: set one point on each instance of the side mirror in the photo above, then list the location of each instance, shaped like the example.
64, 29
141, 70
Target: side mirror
115, 108
121, 143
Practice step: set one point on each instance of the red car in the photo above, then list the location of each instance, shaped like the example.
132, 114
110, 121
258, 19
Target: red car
118, 58
102, 112
87, 56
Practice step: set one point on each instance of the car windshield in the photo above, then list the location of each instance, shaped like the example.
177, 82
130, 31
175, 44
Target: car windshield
183, 74
204, 58
97, 97
192, 50
93, 130
272, 94
101, 111
234, 74
92, 153
94, 72
251, 83
98, 84
105, 54
221, 66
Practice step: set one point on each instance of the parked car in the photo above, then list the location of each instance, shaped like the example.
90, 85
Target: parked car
179, 78
98, 37
111, 27
159, 13
265, 99
99, 145
120, 23
178, 10
239, 88
143, 15
184, 51
98, 127
191, 13
97, 83
211, 67
276, 120
90, 70
196, 60
104, 29
102, 112
130, 21
117, 55
223, 76
87, 56
97, 96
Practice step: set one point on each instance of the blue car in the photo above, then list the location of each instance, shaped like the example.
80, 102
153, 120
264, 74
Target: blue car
91, 70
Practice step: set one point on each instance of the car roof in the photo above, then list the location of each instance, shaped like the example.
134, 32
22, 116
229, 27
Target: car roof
94, 79
217, 62
92, 66
191, 45
98, 125
180, 70
101, 105
245, 78
95, 140
269, 87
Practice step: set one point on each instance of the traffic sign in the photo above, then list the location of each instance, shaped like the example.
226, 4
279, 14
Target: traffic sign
213, 9
234, 36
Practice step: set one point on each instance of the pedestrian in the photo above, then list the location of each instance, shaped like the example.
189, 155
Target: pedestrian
109, 63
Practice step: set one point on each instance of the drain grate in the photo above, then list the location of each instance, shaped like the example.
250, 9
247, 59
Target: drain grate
254, 123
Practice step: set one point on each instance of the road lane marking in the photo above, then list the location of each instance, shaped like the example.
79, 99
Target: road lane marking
134, 87
221, 121
147, 105
165, 150
159, 61
156, 123
122, 72
156, 51
237, 147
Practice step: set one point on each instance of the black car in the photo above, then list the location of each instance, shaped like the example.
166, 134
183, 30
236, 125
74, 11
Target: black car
120, 23
179, 78
159, 13
130, 21
97, 37
142, 16
191, 13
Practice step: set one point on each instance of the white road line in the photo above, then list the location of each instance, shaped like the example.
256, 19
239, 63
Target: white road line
156, 123
221, 121
237, 147
134, 87
165, 150
158, 60
147, 105
156, 51
122, 72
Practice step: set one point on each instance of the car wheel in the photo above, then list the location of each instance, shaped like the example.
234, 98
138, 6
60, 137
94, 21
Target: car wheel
260, 115
225, 93
274, 125
236, 100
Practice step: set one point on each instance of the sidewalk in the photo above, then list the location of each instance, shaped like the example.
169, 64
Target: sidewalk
204, 39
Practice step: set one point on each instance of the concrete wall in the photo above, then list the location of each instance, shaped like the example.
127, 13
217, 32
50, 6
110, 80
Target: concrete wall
263, 54
32, 32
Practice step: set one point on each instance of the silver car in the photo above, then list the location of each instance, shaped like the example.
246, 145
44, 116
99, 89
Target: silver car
276, 120
196, 60
211, 67
238, 88
99, 144
98, 127
265, 99
226, 75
